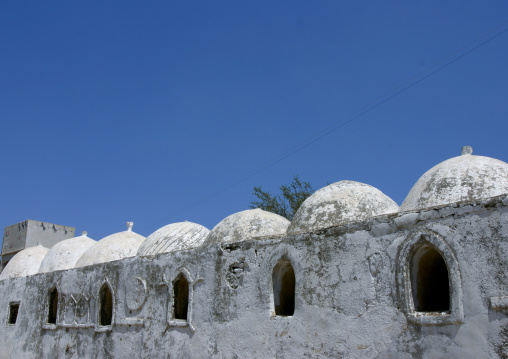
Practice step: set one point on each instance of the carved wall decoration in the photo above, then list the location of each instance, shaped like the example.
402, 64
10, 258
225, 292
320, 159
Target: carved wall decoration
380, 289
69, 309
136, 293
375, 264
82, 313
235, 273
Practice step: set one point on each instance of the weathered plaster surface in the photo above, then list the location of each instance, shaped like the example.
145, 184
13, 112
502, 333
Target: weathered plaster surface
174, 237
339, 203
247, 224
350, 296
459, 179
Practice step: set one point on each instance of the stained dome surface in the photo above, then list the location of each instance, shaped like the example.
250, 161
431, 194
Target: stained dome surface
174, 237
463, 178
339, 203
247, 224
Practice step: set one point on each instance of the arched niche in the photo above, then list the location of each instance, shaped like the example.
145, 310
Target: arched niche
283, 282
106, 306
52, 307
180, 298
428, 279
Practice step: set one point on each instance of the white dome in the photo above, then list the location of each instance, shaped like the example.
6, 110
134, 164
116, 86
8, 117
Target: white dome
459, 179
339, 203
111, 248
66, 253
247, 224
174, 237
25, 262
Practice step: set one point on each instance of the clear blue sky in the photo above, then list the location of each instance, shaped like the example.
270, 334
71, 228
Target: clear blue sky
119, 110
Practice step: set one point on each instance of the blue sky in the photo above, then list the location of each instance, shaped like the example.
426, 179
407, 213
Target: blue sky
120, 110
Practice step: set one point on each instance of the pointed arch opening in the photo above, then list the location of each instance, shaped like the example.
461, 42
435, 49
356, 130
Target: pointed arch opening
430, 281
52, 306
105, 306
181, 298
283, 279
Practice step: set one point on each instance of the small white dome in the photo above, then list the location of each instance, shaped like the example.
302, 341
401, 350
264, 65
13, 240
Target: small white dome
459, 179
25, 262
174, 237
339, 203
247, 224
66, 253
111, 248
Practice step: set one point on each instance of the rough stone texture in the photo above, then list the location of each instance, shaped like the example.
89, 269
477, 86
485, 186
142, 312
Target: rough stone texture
459, 179
174, 237
349, 300
24, 263
65, 254
111, 248
339, 203
247, 224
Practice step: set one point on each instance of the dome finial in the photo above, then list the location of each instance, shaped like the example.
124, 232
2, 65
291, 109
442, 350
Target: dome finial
129, 226
84, 233
466, 150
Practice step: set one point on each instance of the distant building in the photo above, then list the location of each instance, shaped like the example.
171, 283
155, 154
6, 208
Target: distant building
353, 275
30, 233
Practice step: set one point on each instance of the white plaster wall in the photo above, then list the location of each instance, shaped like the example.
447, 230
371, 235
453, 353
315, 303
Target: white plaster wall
348, 301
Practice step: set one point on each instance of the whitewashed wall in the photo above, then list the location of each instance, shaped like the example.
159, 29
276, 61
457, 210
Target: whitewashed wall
351, 299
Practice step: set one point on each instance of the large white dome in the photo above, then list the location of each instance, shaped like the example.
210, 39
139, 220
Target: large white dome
247, 224
459, 179
174, 237
66, 253
25, 262
339, 203
111, 248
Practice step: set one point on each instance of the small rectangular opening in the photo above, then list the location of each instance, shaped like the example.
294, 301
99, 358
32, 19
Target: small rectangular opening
13, 313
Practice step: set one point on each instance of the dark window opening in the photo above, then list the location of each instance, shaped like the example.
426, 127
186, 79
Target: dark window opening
181, 298
53, 306
105, 306
283, 278
430, 281
13, 313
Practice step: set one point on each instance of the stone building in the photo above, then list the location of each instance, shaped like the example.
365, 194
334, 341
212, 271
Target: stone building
31, 233
351, 276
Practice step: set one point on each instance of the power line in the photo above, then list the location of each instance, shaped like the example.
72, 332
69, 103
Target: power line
402, 87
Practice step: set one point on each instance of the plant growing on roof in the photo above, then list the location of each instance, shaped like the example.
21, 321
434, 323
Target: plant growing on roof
285, 204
